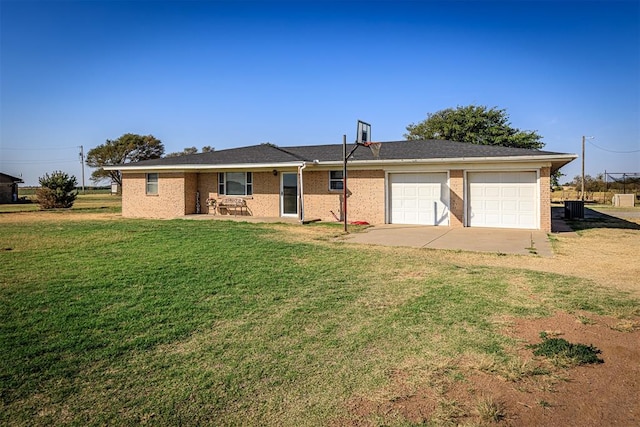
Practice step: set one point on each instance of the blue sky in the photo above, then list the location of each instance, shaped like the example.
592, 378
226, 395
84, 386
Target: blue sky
229, 74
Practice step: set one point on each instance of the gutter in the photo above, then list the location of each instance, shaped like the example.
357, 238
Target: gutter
566, 158
301, 192
440, 160
202, 167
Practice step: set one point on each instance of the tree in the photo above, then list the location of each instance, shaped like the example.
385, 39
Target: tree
128, 148
473, 124
591, 184
555, 178
185, 152
190, 150
57, 190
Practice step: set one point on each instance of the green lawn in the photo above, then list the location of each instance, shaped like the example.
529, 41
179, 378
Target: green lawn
212, 322
92, 201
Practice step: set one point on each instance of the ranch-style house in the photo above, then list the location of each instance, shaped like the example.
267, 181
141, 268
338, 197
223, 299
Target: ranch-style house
432, 182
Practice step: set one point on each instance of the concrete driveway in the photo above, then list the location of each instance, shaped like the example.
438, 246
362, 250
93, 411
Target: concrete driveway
498, 240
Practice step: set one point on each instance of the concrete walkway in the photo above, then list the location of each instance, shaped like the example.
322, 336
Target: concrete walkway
498, 240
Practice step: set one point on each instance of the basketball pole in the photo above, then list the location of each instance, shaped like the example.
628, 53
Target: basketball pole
344, 176
361, 134
344, 182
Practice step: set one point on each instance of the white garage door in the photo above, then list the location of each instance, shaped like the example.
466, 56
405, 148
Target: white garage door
419, 198
503, 199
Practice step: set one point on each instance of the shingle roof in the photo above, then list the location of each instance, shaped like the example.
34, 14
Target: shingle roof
8, 177
395, 150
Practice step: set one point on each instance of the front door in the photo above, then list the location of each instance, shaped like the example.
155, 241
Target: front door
289, 194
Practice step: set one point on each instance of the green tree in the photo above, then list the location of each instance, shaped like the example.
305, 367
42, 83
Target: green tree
56, 190
555, 178
128, 148
190, 150
473, 124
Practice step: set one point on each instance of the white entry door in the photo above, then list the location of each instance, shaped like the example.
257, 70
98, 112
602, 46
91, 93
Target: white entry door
419, 198
502, 199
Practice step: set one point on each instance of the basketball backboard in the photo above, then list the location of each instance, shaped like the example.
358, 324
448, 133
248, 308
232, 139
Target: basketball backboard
363, 133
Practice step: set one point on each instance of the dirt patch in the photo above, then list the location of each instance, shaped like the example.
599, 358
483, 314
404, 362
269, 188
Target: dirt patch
544, 394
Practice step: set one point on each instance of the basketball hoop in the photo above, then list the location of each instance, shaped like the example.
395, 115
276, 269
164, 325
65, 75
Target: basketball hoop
375, 148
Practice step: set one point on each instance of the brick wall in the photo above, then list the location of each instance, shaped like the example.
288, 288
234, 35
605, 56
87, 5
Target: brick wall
456, 198
266, 195
365, 200
545, 199
190, 193
264, 202
168, 203
319, 201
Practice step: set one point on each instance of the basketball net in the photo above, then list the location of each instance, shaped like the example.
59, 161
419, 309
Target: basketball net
375, 148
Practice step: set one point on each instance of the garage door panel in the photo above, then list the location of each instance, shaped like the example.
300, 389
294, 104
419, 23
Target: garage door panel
492, 192
491, 205
510, 192
502, 199
527, 192
419, 198
527, 206
510, 205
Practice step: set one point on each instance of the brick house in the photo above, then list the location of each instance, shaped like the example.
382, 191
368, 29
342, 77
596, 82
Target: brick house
9, 188
432, 182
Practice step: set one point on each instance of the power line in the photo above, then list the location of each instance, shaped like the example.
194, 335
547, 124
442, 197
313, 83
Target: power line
613, 151
40, 162
37, 149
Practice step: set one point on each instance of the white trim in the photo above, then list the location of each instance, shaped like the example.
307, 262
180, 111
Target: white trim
387, 183
293, 215
467, 190
226, 185
147, 182
447, 184
341, 180
212, 168
454, 163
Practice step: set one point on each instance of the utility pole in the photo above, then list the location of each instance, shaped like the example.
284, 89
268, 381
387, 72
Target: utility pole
582, 196
583, 139
82, 163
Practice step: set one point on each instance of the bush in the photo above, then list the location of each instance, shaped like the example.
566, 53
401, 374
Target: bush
57, 190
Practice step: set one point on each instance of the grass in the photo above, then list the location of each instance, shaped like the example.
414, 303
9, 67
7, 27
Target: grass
563, 353
90, 202
213, 322
489, 410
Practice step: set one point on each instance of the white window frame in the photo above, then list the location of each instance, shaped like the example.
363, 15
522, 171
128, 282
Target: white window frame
333, 180
223, 187
151, 187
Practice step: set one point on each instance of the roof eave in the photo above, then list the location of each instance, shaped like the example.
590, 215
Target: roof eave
555, 159
205, 167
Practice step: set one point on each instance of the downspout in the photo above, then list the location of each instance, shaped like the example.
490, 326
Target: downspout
300, 169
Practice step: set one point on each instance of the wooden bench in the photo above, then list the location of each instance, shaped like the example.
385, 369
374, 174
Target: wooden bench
235, 203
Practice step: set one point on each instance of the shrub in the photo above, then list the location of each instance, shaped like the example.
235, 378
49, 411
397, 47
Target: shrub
57, 190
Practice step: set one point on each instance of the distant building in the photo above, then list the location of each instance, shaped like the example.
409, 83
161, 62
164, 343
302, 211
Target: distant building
9, 188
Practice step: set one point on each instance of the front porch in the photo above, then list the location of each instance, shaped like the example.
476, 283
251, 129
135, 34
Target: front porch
247, 218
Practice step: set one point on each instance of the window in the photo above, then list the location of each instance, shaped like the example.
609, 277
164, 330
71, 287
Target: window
152, 183
235, 183
335, 180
